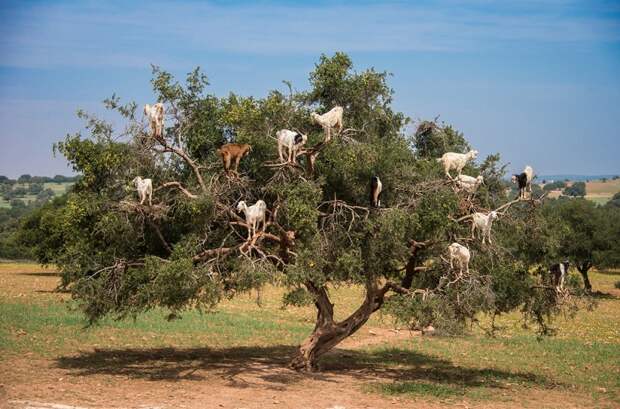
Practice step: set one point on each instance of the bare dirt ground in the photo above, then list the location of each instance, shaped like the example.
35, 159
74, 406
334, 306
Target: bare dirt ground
243, 377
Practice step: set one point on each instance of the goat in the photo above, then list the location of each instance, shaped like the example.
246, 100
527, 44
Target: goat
145, 188
375, 191
461, 254
529, 173
155, 114
521, 180
558, 274
468, 183
483, 222
524, 181
254, 215
452, 160
233, 151
292, 141
329, 120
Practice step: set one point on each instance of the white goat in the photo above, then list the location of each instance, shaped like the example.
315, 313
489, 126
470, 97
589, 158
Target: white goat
155, 114
461, 255
292, 141
452, 160
145, 188
483, 222
529, 174
468, 183
329, 120
254, 215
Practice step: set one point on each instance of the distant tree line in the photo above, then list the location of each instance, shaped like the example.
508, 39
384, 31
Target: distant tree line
577, 189
26, 178
15, 191
559, 184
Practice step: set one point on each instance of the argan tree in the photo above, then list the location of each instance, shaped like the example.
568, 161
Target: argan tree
190, 248
591, 235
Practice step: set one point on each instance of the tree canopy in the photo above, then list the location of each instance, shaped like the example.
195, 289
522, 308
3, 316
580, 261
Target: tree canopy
189, 249
591, 235
576, 189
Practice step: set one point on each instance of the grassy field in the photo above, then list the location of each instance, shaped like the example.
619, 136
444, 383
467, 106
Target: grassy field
579, 367
601, 192
596, 190
57, 188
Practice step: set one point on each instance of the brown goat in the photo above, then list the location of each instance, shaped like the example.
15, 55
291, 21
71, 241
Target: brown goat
233, 151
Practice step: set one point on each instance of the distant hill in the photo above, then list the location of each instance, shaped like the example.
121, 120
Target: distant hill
574, 178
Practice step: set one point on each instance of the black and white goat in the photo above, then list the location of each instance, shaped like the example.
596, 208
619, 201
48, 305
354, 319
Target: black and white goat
524, 181
375, 191
292, 141
558, 274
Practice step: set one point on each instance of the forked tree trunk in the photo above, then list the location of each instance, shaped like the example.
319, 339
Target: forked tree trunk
327, 333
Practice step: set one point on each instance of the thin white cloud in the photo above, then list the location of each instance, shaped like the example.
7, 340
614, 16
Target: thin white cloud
98, 34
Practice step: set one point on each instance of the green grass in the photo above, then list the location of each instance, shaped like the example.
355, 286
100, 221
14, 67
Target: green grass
584, 358
582, 362
57, 188
599, 200
474, 366
56, 328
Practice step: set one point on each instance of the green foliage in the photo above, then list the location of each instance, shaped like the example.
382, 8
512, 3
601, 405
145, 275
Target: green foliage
557, 185
432, 141
188, 251
615, 201
576, 189
590, 233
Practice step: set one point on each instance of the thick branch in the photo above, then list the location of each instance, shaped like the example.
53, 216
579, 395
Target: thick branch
178, 186
182, 154
159, 235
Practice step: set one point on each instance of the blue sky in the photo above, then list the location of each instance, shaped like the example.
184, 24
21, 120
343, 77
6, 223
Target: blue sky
536, 80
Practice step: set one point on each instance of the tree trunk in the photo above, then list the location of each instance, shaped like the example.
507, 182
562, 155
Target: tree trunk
583, 269
327, 333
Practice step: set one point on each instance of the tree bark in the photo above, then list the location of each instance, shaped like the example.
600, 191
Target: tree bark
583, 269
327, 333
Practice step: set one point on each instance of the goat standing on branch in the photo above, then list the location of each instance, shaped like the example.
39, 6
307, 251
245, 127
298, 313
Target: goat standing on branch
461, 254
145, 188
254, 215
233, 151
329, 120
292, 141
375, 191
524, 181
483, 222
452, 160
468, 183
155, 114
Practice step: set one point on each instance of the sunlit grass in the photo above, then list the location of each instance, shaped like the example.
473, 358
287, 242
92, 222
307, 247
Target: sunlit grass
583, 360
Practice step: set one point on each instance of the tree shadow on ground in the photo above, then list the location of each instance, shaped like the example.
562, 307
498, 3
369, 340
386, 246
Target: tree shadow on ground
599, 295
40, 274
267, 367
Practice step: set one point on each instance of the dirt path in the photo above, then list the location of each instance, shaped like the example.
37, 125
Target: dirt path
180, 379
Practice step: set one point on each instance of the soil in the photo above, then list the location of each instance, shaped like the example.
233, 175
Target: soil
244, 377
